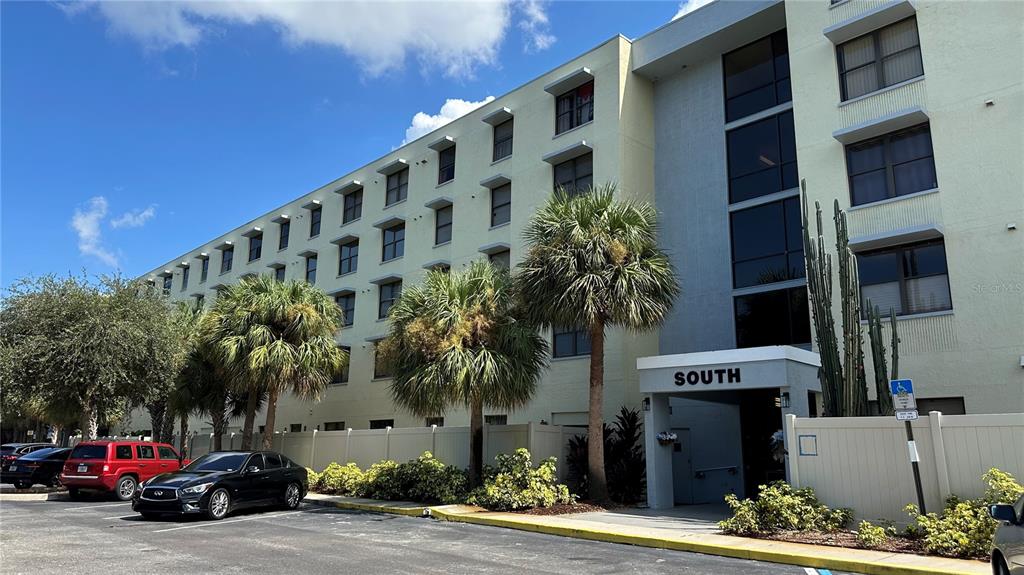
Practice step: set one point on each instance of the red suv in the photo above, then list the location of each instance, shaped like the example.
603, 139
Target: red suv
116, 466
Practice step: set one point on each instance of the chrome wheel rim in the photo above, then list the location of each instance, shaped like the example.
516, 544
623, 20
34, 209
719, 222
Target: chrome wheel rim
219, 503
126, 488
291, 495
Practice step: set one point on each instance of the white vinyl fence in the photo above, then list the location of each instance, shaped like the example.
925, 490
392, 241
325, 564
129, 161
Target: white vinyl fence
864, 462
364, 447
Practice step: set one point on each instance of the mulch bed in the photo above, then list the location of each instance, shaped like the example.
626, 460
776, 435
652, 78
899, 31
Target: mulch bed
848, 539
563, 509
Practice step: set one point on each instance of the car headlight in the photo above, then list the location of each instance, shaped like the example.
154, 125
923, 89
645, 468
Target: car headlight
197, 488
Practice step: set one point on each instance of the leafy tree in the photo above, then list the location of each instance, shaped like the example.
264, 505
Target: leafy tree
76, 346
594, 262
458, 339
275, 337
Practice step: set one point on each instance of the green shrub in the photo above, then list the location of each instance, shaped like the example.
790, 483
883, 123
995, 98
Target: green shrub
964, 528
381, 481
624, 464
341, 479
313, 478
516, 485
871, 536
779, 507
426, 479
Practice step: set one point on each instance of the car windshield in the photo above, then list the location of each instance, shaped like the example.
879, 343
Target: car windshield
41, 453
6, 449
89, 452
218, 462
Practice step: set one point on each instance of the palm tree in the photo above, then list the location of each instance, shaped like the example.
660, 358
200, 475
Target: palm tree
593, 262
275, 337
459, 340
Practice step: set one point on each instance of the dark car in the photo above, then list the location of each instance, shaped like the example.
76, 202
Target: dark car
40, 466
11, 451
221, 482
1008, 543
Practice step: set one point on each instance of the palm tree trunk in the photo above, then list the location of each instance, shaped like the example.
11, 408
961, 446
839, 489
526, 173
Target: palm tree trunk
476, 443
183, 445
250, 420
89, 423
595, 424
219, 421
157, 413
268, 427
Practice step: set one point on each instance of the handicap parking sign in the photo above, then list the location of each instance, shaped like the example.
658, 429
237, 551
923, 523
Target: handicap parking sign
902, 394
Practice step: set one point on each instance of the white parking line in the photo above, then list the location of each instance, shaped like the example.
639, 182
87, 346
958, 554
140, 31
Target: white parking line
121, 517
216, 523
97, 506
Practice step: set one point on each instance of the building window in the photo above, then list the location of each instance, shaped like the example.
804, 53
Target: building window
381, 423
200, 300
496, 419
286, 229
398, 187
279, 273
442, 225
167, 284
762, 158
501, 259
446, 165
882, 58
767, 243
342, 376
184, 279
893, 165
353, 207
295, 428
389, 294
348, 257
757, 76
438, 421
226, 257
334, 426
204, 269
910, 279
502, 140
501, 205
778, 317
255, 247
311, 269
394, 243
575, 176
314, 221
347, 303
574, 108
569, 342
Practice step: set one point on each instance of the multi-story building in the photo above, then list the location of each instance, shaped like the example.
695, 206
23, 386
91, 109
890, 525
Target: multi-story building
907, 114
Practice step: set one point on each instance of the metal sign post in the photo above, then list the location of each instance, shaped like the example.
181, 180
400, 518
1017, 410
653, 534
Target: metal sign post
906, 411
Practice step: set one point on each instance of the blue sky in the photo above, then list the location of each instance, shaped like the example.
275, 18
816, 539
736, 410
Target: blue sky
131, 132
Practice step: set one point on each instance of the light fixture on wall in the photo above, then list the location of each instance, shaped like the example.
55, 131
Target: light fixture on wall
783, 400
647, 404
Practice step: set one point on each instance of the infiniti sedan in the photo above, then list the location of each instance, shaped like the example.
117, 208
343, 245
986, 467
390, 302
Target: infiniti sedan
221, 482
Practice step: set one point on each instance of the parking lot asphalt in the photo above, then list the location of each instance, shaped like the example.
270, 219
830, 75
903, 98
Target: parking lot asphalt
103, 536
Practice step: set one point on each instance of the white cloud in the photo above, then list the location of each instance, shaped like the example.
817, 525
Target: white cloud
453, 37
87, 225
687, 6
423, 123
134, 218
535, 26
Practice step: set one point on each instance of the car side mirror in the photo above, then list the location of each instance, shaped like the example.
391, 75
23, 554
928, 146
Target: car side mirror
254, 469
1003, 512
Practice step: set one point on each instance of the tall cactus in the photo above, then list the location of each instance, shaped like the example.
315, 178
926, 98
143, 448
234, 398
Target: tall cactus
882, 374
843, 381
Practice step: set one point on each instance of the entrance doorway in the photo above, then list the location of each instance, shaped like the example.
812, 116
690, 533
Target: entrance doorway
760, 418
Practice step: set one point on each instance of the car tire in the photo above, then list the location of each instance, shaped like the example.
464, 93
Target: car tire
219, 505
22, 484
999, 565
125, 488
74, 494
292, 496
54, 480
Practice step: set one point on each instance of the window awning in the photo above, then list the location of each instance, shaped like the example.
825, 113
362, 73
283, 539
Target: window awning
567, 153
349, 187
568, 81
495, 181
498, 116
876, 127
878, 17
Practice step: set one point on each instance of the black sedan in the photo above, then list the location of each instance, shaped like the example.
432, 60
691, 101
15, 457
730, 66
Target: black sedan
221, 482
40, 466
11, 451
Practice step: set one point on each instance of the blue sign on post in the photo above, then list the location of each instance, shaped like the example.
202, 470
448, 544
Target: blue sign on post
902, 394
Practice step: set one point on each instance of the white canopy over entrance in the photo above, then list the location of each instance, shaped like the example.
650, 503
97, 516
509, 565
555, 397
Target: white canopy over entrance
790, 370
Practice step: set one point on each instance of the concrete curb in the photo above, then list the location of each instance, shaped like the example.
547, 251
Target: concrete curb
725, 546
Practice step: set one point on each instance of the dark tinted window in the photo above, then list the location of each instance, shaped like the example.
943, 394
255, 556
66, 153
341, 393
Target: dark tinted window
568, 342
314, 221
501, 205
882, 58
342, 376
394, 243
353, 209
256, 460
389, 294
282, 241
381, 423
218, 462
226, 258
779, 317
47, 453
311, 269
145, 452
90, 452
502, 140
255, 247
334, 426
347, 303
757, 76
574, 108
166, 452
908, 279
397, 187
767, 243
893, 165
762, 158
575, 176
204, 269
381, 367
446, 165
348, 257
279, 273
273, 460
123, 452
443, 225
